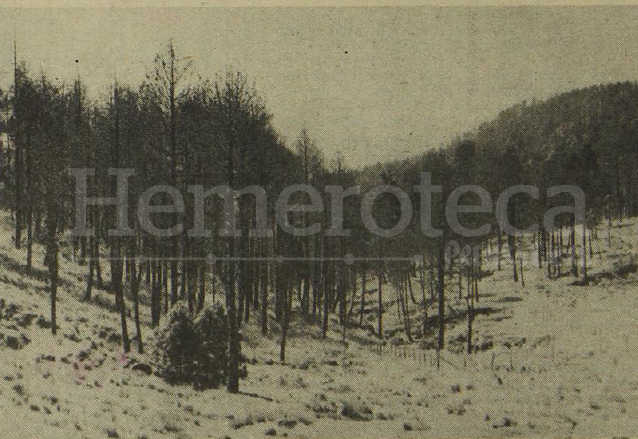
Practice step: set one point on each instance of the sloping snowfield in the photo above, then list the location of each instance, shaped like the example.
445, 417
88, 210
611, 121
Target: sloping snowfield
562, 363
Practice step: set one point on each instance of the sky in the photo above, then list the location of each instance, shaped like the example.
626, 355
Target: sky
372, 83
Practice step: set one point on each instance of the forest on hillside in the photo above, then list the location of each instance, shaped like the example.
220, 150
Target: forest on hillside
178, 132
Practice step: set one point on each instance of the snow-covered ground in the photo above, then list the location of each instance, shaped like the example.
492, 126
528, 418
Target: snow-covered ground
562, 363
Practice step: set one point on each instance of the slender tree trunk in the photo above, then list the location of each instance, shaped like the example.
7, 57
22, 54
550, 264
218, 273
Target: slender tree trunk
201, 298
470, 318
156, 286
52, 262
352, 285
511, 241
422, 277
541, 232
231, 305
264, 299
135, 287
585, 252
98, 265
609, 231
476, 275
37, 226
183, 279
117, 263
572, 241
162, 287
558, 251
469, 299
17, 141
172, 84
242, 289
409, 282
317, 280
341, 293
521, 261
174, 274
551, 261
256, 275
431, 279
116, 282
441, 276
29, 208
148, 274
89, 280
192, 284
234, 344
305, 297
460, 278
213, 283
286, 321
498, 250
380, 310
405, 306
363, 296
326, 304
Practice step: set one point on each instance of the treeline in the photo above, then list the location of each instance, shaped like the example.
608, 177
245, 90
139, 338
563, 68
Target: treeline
173, 130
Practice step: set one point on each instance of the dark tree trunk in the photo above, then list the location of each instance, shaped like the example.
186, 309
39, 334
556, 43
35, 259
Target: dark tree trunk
184, 280
52, 262
155, 294
521, 262
550, 250
380, 300
585, 252
89, 280
117, 267
498, 249
29, 207
404, 302
257, 276
286, 322
511, 242
234, 344
201, 298
572, 241
98, 265
264, 300
136, 279
148, 274
441, 277
18, 191
363, 296
174, 276
163, 286
326, 303
541, 234
234, 341
470, 318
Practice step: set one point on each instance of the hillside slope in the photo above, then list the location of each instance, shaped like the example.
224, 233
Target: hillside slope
560, 363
